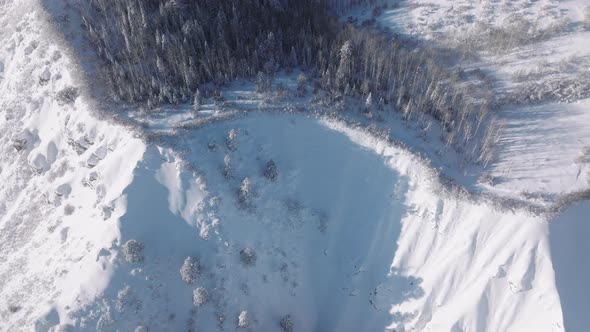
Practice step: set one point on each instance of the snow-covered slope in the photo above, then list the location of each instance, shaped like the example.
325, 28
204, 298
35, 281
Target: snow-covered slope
533, 57
354, 233
61, 170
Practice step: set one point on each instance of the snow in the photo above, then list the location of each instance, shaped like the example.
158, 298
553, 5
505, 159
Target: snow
51, 226
542, 146
569, 252
355, 232
377, 241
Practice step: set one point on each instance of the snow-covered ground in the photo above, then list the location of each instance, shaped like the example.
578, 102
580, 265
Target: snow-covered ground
354, 232
544, 145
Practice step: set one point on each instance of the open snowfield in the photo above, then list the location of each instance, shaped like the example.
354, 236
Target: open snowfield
351, 233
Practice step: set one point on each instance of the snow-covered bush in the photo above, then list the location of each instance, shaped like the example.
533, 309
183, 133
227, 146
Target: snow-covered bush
557, 89
301, 85
270, 172
231, 140
200, 296
212, 146
262, 82
286, 323
67, 95
197, 100
69, 209
190, 270
227, 168
487, 179
19, 144
141, 328
133, 251
248, 256
245, 191
45, 76
243, 319
14, 308
127, 300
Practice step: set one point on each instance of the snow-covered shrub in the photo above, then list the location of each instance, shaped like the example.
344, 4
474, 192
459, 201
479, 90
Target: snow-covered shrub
200, 296
141, 328
133, 251
282, 92
69, 209
190, 270
67, 95
243, 319
487, 179
227, 169
557, 89
262, 82
270, 172
301, 85
19, 144
218, 96
248, 256
197, 101
45, 76
245, 191
14, 308
231, 140
212, 146
377, 11
127, 300
286, 324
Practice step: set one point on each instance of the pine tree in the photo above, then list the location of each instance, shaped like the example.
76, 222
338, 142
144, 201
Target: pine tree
197, 101
301, 85
369, 102
344, 68
381, 105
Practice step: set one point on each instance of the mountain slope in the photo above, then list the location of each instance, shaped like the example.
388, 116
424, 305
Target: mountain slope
352, 231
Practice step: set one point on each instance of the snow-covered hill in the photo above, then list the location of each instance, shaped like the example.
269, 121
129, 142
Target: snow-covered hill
351, 233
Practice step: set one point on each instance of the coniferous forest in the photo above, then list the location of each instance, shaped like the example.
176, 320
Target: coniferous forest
161, 51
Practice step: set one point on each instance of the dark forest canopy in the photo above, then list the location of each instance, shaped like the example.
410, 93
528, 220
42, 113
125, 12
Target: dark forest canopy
160, 51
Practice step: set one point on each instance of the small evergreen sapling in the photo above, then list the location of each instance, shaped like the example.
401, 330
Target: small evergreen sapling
231, 140
301, 85
286, 323
197, 100
270, 172
243, 319
248, 256
245, 191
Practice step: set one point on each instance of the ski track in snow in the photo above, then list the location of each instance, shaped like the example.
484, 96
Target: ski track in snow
355, 234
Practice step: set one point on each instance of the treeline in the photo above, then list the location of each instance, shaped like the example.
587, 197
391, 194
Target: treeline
340, 6
393, 75
161, 50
